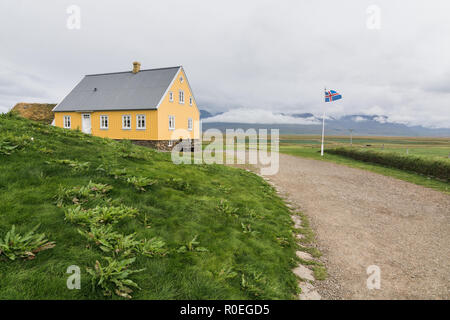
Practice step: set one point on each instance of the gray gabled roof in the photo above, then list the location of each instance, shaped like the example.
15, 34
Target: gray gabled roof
119, 91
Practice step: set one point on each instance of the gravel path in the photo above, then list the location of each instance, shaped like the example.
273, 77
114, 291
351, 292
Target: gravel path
362, 218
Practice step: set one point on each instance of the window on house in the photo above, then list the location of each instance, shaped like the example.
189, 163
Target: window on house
126, 122
181, 79
181, 96
171, 122
140, 121
104, 122
170, 143
190, 124
67, 122
190, 100
171, 96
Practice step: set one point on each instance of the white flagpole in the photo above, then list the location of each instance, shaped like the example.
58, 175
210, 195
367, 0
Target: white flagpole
323, 129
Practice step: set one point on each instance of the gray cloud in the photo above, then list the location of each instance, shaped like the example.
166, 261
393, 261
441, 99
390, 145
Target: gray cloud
265, 55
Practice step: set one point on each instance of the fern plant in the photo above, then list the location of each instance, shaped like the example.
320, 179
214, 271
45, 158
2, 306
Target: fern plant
110, 241
226, 273
81, 194
224, 207
119, 244
141, 183
192, 246
152, 247
113, 277
247, 229
14, 245
178, 184
6, 147
73, 164
111, 215
99, 214
77, 215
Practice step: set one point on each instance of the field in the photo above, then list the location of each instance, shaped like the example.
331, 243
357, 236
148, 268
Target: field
191, 231
429, 148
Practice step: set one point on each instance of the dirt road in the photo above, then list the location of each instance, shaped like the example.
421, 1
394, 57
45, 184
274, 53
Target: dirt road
361, 219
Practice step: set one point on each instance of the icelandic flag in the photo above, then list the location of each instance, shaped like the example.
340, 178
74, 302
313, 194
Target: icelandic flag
331, 95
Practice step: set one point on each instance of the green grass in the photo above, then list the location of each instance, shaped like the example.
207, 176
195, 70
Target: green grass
434, 167
174, 203
314, 153
430, 147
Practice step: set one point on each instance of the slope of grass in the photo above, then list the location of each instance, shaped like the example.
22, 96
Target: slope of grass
314, 153
429, 166
234, 215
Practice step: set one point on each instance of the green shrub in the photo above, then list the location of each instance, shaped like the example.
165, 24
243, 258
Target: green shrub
107, 215
152, 247
141, 183
10, 143
430, 167
192, 246
81, 194
99, 214
226, 208
15, 245
112, 242
247, 229
113, 277
76, 166
178, 184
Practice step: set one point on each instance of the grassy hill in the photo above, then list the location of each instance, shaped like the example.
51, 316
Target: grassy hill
198, 231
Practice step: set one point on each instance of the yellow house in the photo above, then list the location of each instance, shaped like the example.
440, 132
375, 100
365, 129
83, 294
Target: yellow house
153, 107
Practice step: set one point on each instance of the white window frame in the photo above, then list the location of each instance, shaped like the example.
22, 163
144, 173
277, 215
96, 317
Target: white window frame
170, 96
181, 96
102, 126
190, 124
123, 122
138, 126
181, 79
67, 122
190, 101
172, 121
170, 143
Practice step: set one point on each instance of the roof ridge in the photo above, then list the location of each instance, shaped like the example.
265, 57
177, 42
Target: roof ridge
102, 74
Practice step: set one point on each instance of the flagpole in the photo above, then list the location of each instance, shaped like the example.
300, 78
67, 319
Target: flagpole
323, 128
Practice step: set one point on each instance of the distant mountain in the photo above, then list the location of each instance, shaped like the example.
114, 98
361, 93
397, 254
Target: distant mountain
205, 114
362, 125
302, 115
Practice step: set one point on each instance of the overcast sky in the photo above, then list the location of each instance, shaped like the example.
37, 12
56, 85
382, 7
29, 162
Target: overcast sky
250, 57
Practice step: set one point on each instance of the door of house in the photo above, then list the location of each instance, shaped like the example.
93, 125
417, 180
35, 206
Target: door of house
86, 123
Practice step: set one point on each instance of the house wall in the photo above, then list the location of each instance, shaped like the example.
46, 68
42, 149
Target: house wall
181, 112
115, 130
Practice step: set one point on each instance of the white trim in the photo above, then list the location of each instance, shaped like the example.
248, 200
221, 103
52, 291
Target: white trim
168, 88
123, 127
90, 122
137, 122
173, 127
180, 94
101, 122
190, 89
191, 122
64, 122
